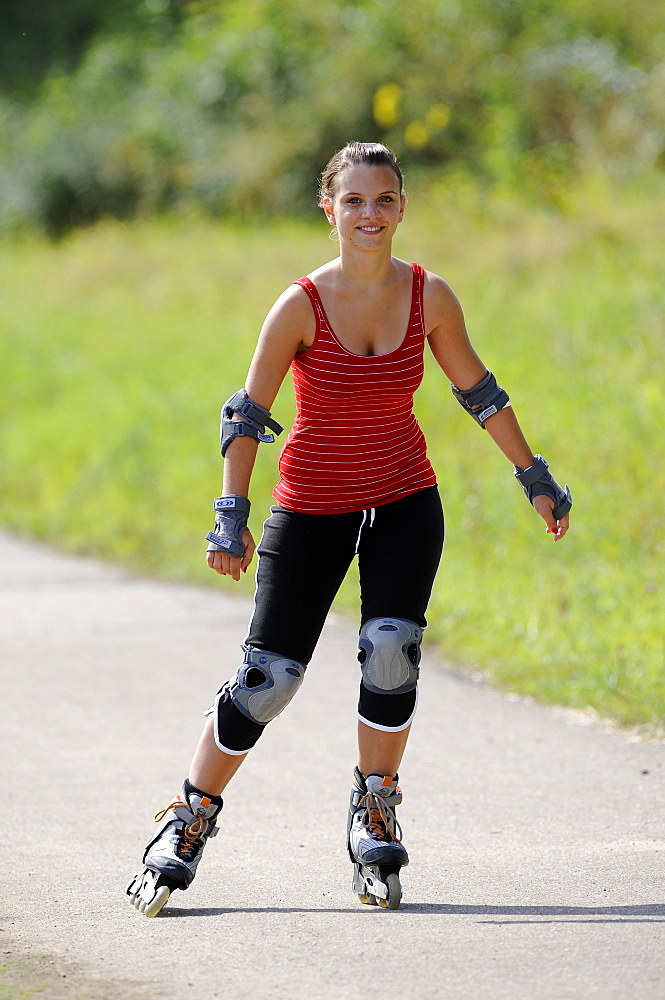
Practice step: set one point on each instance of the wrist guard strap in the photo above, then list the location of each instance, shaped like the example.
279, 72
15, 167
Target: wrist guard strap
231, 515
537, 481
482, 400
255, 418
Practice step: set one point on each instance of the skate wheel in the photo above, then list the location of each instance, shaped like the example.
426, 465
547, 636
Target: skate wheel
368, 898
394, 893
147, 894
158, 903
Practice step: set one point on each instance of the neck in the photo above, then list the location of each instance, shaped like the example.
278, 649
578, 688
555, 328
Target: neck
364, 269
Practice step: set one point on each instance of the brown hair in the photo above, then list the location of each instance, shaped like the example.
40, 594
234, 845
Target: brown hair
373, 154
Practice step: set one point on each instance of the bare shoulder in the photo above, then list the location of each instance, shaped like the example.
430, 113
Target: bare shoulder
441, 305
292, 304
291, 320
446, 333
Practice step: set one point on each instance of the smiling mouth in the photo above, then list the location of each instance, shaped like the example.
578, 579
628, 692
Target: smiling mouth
370, 229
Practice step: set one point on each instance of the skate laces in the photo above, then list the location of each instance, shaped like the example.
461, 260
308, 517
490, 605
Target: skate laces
191, 832
380, 822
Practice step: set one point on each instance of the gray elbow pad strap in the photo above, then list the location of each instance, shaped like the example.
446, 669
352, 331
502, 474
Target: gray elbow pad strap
254, 421
389, 655
482, 400
231, 515
537, 481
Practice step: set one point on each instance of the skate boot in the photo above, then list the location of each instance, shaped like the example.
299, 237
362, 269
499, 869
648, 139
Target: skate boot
172, 856
373, 840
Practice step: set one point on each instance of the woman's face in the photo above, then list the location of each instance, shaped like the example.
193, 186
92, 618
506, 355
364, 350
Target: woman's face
366, 205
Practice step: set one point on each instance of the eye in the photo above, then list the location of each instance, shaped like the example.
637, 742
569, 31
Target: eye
353, 200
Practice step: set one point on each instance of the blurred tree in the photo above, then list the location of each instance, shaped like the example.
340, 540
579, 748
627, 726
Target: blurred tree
236, 105
40, 36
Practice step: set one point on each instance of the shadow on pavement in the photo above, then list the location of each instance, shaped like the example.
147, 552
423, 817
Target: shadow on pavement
649, 913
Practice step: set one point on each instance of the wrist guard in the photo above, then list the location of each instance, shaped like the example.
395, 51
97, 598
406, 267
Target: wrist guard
537, 481
231, 515
482, 400
253, 423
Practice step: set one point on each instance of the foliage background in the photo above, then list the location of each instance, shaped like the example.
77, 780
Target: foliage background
135, 107
157, 192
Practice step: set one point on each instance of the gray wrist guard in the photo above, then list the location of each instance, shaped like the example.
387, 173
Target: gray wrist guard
253, 423
482, 400
537, 481
231, 515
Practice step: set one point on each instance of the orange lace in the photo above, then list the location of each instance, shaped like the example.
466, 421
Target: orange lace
194, 829
377, 819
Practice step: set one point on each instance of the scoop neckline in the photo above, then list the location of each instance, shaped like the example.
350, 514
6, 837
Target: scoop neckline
367, 356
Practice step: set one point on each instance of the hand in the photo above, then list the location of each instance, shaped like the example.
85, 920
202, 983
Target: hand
544, 505
227, 565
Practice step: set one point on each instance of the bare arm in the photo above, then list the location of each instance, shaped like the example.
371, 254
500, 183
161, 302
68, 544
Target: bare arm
452, 349
288, 326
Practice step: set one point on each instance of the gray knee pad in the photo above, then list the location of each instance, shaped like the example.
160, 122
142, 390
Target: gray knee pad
389, 655
265, 683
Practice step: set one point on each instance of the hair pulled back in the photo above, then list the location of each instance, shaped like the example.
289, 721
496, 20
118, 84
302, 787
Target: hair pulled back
371, 154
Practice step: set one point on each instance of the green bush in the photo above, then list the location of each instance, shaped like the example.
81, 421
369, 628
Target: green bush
239, 105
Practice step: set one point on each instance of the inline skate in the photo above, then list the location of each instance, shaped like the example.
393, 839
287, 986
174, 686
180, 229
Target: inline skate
374, 840
172, 856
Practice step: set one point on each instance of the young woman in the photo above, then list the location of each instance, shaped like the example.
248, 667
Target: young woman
354, 479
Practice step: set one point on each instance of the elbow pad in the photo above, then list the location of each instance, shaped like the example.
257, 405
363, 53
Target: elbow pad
255, 418
482, 400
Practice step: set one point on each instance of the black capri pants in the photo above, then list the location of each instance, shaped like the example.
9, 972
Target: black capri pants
303, 559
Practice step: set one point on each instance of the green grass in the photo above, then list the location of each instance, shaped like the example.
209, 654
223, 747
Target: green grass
119, 344
19, 970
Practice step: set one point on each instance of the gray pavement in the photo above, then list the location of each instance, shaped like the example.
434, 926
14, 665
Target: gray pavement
536, 837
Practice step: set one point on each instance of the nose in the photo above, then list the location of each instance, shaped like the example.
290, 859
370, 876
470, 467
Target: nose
371, 209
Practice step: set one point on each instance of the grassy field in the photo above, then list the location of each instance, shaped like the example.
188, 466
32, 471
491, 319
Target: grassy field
119, 344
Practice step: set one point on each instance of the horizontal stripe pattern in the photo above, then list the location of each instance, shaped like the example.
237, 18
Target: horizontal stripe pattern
355, 442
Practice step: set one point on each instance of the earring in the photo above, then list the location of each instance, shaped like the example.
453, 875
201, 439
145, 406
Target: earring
333, 235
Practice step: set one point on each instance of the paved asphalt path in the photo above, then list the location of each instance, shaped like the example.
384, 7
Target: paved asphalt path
536, 838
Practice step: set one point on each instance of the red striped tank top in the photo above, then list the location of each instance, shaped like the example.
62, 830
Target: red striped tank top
355, 442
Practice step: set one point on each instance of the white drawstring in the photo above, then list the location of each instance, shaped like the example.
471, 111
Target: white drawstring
372, 514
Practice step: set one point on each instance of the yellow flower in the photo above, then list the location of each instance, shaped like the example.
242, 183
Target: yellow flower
386, 104
416, 135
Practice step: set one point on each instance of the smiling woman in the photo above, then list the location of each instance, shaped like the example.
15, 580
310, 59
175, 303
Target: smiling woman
368, 154
374, 215
355, 479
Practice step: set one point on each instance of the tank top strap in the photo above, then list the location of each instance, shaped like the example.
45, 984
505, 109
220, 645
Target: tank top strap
417, 316
314, 296
319, 312
308, 285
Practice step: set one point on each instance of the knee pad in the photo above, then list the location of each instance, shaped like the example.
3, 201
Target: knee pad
258, 691
264, 685
389, 655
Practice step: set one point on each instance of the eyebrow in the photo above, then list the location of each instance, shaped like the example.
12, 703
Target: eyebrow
347, 194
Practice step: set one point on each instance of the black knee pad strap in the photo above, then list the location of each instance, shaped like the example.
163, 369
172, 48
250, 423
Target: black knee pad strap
233, 730
386, 711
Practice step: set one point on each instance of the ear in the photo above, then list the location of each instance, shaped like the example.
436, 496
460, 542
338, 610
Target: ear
402, 206
327, 206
